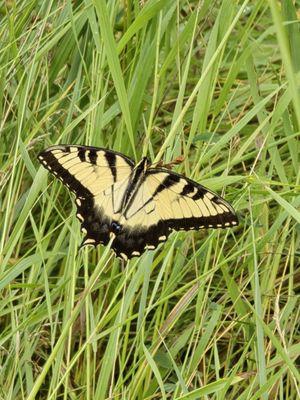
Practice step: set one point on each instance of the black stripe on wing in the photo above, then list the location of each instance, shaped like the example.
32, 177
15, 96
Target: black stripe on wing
193, 191
52, 164
85, 154
111, 161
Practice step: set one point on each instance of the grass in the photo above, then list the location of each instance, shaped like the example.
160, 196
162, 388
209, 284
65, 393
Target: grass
210, 315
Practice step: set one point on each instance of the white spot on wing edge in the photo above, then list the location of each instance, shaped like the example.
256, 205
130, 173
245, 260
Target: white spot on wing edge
163, 237
83, 230
80, 217
136, 253
123, 255
149, 247
112, 235
89, 241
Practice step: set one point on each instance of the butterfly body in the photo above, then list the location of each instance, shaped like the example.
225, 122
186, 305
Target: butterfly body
136, 205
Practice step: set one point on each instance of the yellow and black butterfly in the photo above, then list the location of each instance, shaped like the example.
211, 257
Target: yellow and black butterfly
136, 204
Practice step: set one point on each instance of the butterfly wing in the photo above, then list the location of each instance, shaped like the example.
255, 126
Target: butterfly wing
167, 201
184, 204
163, 201
98, 177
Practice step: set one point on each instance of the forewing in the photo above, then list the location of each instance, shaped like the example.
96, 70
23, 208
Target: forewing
86, 171
184, 204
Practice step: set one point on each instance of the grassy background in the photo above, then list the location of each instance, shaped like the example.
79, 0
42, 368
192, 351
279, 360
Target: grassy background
210, 315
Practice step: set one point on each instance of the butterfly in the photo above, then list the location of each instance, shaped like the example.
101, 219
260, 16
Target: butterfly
135, 205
